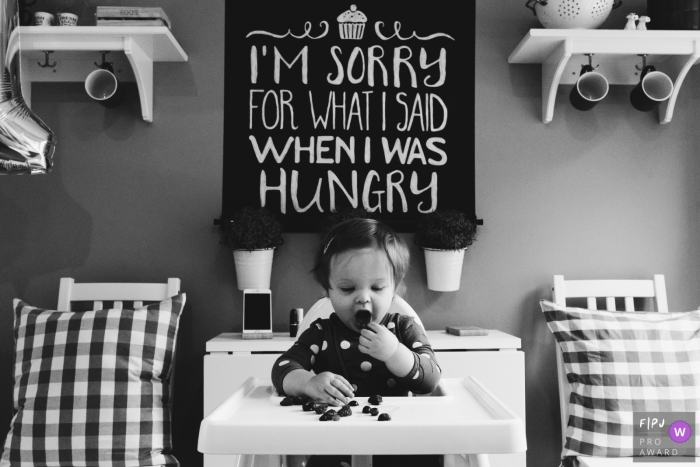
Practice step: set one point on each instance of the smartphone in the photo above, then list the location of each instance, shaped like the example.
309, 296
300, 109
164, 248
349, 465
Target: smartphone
257, 313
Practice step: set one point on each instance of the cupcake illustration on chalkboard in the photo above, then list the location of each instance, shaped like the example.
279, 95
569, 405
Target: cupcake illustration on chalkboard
352, 23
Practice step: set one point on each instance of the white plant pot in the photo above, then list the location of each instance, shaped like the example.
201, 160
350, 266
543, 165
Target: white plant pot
253, 268
444, 268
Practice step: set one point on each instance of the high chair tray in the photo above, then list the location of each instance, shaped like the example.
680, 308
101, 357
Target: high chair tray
460, 417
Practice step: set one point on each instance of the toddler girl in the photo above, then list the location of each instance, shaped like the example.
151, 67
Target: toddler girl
360, 265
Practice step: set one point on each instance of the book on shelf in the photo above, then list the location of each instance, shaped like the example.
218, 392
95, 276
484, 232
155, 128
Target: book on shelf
466, 331
132, 22
131, 16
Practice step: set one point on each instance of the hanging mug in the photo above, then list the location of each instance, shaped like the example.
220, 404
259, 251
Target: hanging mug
653, 88
103, 86
590, 88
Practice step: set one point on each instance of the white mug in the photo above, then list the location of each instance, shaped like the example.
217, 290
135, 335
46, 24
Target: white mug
67, 19
103, 86
42, 18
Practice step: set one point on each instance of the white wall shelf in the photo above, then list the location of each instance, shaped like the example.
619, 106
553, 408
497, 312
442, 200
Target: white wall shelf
133, 49
561, 53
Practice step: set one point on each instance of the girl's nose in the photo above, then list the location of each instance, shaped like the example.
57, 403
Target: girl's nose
362, 298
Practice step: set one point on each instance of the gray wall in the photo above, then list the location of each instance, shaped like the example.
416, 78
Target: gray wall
606, 194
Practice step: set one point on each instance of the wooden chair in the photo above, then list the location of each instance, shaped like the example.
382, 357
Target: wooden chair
113, 295
609, 290
323, 309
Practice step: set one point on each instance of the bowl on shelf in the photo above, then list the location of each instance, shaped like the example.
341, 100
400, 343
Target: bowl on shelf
572, 14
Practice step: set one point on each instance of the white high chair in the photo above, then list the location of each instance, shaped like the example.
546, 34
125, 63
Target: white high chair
608, 289
323, 309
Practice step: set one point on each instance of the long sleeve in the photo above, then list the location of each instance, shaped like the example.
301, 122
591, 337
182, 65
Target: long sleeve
300, 356
425, 374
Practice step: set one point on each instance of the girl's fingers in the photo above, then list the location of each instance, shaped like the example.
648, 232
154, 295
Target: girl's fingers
341, 385
335, 396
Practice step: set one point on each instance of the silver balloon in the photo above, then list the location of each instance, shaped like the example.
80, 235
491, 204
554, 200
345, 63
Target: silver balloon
26, 143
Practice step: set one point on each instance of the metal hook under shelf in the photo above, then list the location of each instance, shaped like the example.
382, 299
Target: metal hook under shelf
590, 61
104, 62
46, 60
644, 62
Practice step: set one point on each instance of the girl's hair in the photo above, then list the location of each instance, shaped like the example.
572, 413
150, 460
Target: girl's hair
356, 234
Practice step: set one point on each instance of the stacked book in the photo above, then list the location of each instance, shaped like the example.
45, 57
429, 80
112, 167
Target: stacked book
131, 16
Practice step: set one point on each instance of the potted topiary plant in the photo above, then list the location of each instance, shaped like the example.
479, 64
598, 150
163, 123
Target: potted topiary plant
252, 234
444, 236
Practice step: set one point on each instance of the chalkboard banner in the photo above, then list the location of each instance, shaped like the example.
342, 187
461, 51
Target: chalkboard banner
330, 105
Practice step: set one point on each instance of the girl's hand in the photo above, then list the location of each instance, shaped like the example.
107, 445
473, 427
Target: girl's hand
378, 342
329, 387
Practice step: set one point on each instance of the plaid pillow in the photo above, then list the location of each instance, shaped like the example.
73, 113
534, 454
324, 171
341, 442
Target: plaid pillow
92, 388
618, 363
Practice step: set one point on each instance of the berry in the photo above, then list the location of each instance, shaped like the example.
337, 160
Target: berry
354, 403
335, 418
375, 400
307, 407
298, 400
385, 417
363, 318
330, 412
323, 418
374, 412
345, 411
287, 401
319, 408
366, 409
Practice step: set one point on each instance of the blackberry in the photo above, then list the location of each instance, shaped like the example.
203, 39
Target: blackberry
345, 411
365, 409
335, 418
323, 418
374, 412
330, 412
353, 403
307, 407
298, 400
286, 401
319, 408
375, 400
385, 417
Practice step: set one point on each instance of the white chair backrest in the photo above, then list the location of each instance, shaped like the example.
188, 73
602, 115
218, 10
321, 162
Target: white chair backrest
323, 309
70, 291
609, 289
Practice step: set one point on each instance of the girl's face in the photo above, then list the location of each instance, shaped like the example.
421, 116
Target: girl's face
360, 279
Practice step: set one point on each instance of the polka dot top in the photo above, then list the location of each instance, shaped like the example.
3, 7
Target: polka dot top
329, 345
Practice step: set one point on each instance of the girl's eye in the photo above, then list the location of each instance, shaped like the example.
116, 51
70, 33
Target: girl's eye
378, 289
347, 289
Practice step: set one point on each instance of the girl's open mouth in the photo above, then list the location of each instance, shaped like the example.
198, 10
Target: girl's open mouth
363, 318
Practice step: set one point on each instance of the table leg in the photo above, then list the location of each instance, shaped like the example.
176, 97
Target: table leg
362, 461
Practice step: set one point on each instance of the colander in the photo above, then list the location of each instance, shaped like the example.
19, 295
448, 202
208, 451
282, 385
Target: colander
572, 14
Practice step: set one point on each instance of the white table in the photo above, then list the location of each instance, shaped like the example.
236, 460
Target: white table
461, 418
494, 360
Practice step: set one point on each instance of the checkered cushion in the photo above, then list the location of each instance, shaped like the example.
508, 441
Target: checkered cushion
618, 363
92, 388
